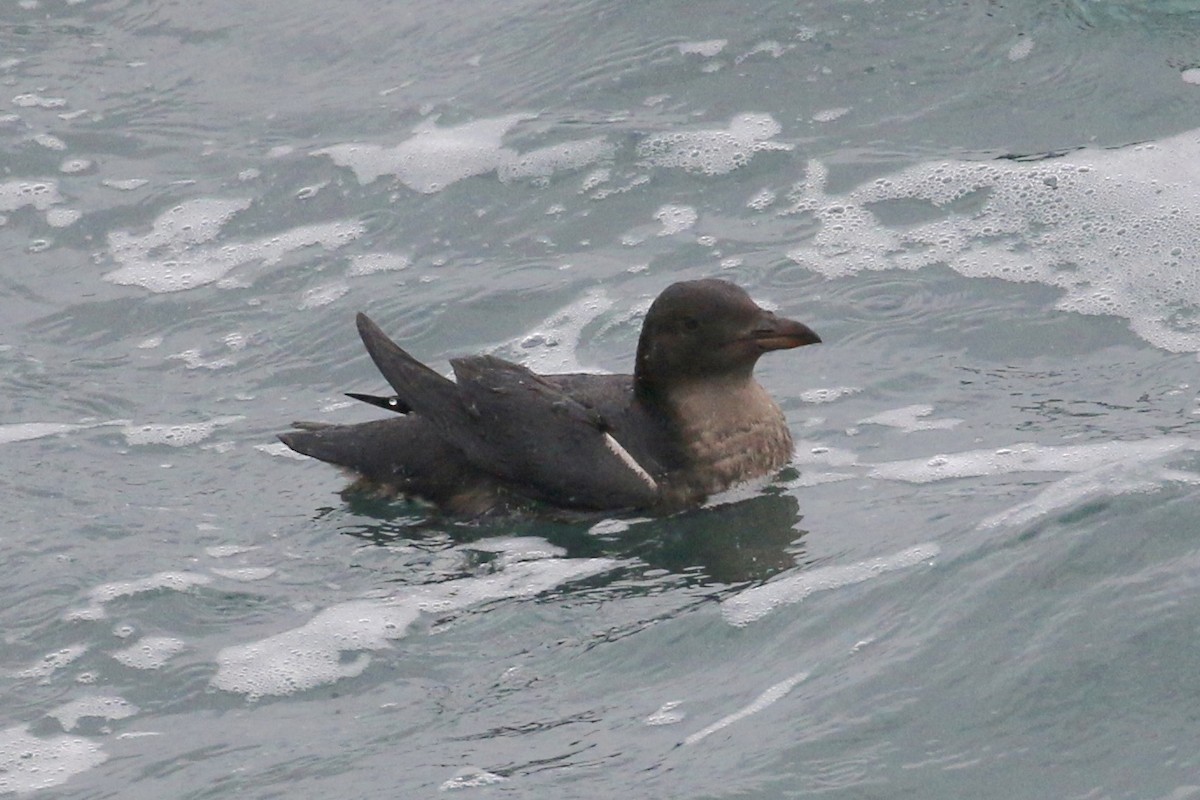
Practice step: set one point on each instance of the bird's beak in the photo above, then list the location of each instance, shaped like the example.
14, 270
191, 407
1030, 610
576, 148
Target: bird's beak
780, 333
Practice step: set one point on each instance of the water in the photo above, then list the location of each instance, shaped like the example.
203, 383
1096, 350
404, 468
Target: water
978, 579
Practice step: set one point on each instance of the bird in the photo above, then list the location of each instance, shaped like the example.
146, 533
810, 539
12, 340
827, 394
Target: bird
690, 422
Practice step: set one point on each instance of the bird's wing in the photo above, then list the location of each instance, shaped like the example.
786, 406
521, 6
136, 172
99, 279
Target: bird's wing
368, 448
511, 423
549, 439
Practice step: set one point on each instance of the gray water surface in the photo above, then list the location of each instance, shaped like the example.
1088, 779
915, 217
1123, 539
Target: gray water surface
978, 578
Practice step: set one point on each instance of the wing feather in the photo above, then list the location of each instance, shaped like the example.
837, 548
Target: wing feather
512, 423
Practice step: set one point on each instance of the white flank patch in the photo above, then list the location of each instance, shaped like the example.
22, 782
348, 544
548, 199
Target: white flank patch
630, 461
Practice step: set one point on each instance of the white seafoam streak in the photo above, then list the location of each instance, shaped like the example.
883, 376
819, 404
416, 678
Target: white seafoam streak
755, 603
174, 435
26, 431
182, 250
1104, 468
767, 698
311, 655
29, 763
435, 157
288, 662
1118, 231
1030, 457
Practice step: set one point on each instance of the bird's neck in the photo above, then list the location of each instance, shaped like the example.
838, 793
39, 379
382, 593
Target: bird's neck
660, 386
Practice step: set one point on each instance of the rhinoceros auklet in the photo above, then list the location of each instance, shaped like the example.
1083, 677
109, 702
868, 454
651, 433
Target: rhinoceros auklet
689, 422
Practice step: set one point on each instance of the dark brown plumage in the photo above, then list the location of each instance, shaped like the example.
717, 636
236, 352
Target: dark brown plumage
690, 421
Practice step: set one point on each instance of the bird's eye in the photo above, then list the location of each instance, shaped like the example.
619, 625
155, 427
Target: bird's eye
690, 323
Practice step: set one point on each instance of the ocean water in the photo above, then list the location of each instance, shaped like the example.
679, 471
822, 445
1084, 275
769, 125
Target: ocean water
979, 578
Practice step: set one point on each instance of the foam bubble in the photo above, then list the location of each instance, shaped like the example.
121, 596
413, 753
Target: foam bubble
708, 48
180, 251
305, 193
107, 592
666, 714
193, 358
311, 655
713, 152
755, 603
809, 452
32, 100
828, 395
38, 194
52, 662
830, 114
104, 707
675, 219
62, 217
370, 263
74, 166
544, 162
174, 581
594, 179
322, 295
762, 200
49, 142
434, 157
471, 778
29, 763
609, 191
150, 652
175, 435
771, 47
1116, 230
1020, 49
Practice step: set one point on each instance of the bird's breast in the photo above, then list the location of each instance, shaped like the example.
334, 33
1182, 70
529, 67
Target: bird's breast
731, 436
